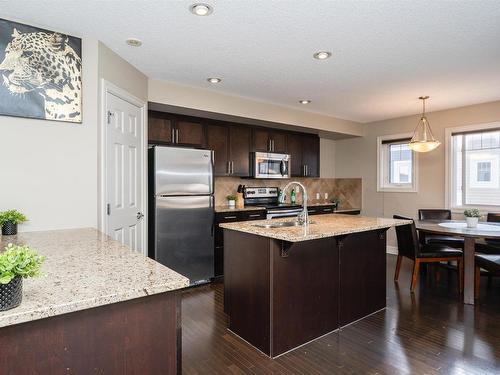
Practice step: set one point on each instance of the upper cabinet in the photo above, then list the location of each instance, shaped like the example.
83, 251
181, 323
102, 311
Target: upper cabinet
304, 154
269, 140
169, 129
232, 143
160, 128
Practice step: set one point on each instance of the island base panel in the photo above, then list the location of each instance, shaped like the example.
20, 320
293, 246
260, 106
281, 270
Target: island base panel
140, 336
362, 275
247, 287
304, 292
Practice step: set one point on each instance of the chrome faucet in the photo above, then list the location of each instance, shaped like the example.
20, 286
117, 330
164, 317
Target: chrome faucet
303, 217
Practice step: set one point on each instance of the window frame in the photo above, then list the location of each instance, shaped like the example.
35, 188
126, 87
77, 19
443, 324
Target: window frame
383, 168
449, 187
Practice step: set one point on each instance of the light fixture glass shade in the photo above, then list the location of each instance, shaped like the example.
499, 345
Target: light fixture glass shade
423, 140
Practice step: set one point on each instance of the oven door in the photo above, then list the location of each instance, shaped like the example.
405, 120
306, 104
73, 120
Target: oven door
292, 212
268, 165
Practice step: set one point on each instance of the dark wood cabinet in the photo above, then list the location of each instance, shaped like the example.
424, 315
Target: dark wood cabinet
229, 217
160, 128
218, 140
240, 139
189, 133
233, 143
268, 140
304, 154
167, 129
310, 155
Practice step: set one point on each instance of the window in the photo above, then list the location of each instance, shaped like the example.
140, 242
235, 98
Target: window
474, 166
396, 164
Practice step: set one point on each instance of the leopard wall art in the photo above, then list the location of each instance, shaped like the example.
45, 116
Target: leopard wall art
44, 62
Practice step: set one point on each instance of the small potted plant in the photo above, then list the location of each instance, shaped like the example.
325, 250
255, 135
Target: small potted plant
231, 200
472, 217
16, 262
335, 201
9, 220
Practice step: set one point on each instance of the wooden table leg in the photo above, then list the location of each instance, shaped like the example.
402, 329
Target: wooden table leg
469, 250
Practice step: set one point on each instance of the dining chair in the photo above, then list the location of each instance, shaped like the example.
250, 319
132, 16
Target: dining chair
438, 214
488, 262
488, 245
410, 247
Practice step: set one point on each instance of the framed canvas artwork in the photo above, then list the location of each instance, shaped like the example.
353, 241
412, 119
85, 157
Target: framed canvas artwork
40, 73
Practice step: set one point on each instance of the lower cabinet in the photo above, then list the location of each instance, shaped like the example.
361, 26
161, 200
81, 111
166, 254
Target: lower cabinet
229, 217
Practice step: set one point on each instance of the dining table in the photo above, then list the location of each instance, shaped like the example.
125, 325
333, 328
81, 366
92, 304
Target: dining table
457, 228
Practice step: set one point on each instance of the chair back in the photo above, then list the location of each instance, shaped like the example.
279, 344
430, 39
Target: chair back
434, 214
407, 236
493, 217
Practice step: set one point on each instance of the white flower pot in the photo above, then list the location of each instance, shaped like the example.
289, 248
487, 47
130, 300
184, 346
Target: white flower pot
231, 203
472, 222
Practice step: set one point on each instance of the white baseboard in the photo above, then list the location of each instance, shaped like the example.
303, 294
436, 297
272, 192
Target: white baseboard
392, 250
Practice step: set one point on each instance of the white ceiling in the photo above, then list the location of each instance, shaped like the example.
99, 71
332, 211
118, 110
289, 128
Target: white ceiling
385, 53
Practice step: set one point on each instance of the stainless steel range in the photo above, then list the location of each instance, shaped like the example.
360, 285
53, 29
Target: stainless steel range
268, 197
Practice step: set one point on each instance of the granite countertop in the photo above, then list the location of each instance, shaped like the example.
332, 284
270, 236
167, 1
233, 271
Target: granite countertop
233, 209
84, 268
321, 226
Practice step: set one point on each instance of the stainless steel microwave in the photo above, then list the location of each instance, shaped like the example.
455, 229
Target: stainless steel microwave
270, 165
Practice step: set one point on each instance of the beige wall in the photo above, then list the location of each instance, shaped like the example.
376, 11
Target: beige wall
357, 157
116, 70
213, 101
49, 168
326, 158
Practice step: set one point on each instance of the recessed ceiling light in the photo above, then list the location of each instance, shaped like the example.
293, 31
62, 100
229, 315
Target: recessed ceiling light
201, 9
304, 101
322, 55
134, 42
214, 80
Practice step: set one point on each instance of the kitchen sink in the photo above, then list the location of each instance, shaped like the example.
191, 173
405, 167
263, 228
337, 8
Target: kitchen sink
281, 224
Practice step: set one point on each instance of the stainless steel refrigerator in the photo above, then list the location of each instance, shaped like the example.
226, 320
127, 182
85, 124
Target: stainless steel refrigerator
181, 211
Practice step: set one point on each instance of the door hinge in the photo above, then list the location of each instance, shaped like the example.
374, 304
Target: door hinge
108, 209
110, 114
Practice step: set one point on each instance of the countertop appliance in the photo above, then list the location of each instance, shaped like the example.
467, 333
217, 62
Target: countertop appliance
181, 211
269, 165
268, 197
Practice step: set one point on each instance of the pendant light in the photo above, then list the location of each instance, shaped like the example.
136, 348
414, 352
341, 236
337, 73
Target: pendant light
423, 140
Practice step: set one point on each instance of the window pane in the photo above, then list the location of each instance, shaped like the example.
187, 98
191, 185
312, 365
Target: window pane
481, 168
400, 164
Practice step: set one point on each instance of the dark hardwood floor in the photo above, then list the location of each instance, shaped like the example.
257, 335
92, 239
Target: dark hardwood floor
430, 333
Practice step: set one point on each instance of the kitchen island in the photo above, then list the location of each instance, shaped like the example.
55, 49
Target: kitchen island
286, 286
99, 307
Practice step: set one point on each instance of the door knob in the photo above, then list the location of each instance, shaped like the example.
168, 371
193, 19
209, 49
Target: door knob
140, 215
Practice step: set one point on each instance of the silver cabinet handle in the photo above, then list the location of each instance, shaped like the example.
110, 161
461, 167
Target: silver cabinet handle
172, 135
273, 146
307, 170
255, 215
176, 135
270, 145
228, 167
229, 217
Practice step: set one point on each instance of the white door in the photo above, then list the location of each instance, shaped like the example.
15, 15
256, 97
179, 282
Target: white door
124, 172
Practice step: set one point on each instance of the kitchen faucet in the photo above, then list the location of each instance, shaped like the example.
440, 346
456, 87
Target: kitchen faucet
303, 217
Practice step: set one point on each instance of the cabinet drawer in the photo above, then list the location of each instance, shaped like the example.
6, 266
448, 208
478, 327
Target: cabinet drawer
253, 215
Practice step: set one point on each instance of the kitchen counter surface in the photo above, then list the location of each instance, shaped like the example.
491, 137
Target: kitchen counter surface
85, 268
321, 226
232, 209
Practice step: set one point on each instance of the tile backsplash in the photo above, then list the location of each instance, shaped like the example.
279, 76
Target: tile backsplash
347, 190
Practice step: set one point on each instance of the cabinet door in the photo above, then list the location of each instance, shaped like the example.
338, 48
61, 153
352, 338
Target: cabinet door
218, 140
310, 155
295, 150
261, 140
278, 141
240, 138
189, 133
159, 130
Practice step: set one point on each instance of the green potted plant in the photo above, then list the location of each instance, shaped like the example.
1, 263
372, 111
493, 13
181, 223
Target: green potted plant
9, 220
336, 202
472, 217
231, 200
16, 262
